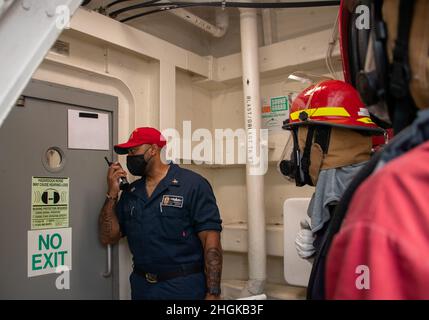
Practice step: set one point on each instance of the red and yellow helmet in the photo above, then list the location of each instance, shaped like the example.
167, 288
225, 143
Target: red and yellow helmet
331, 102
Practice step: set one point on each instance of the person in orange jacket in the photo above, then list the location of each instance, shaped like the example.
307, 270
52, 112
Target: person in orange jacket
381, 250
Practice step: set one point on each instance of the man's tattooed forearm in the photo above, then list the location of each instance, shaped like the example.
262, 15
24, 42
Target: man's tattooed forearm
213, 265
108, 224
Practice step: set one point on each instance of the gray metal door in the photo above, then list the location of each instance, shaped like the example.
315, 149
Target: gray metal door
27, 134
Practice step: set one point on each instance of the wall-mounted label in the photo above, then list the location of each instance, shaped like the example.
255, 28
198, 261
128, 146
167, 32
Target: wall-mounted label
275, 110
49, 249
88, 130
49, 203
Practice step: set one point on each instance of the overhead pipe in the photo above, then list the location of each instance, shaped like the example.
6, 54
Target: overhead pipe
218, 30
254, 183
163, 6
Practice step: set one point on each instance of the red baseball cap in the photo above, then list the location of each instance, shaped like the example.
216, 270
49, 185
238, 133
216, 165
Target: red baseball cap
139, 137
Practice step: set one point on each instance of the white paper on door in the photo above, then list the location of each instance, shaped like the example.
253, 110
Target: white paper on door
88, 130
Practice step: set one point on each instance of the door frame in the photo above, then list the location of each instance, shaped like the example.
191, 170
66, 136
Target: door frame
54, 92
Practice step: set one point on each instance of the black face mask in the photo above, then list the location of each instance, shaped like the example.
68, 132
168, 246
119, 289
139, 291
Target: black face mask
137, 164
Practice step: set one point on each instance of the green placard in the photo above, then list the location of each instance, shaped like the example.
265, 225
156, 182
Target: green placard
49, 203
279, 104
275, 110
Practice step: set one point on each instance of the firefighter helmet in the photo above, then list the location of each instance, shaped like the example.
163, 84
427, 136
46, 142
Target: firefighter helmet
334, 103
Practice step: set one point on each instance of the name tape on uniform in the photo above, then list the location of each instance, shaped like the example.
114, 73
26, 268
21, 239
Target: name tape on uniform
172, 201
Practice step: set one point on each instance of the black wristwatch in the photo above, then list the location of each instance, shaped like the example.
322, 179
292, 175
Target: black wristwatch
214, 291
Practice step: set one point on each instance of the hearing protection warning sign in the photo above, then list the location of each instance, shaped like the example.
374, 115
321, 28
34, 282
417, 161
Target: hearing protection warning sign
49, 251
49, 203
275, 110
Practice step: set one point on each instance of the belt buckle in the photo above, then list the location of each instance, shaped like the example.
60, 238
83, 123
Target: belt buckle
151, 278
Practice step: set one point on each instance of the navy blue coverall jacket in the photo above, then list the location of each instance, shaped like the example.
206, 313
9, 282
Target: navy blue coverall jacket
162, 232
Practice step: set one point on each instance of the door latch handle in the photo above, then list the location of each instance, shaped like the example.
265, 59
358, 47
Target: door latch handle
108, 272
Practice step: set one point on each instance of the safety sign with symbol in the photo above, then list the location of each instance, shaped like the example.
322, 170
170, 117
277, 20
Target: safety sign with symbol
274, 111
49, 203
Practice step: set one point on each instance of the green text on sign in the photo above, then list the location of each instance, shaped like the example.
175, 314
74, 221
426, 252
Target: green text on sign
47, 250
51, 259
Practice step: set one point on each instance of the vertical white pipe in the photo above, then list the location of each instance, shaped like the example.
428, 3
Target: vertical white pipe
254, 182
267, 27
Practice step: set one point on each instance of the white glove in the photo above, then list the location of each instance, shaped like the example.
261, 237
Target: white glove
304, 241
